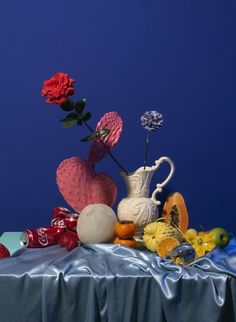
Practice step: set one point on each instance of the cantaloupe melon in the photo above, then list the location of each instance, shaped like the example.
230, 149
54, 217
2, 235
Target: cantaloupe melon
175, 211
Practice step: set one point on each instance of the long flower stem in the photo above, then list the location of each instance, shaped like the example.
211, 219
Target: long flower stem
146, 150
108, 150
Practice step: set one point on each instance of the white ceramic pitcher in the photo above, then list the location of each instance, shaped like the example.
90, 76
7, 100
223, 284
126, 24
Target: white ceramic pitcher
138, 206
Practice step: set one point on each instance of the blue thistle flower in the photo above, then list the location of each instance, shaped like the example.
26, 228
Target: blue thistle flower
152, 120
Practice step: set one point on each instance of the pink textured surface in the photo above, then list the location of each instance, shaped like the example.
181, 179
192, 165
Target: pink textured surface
113, 122
81, 186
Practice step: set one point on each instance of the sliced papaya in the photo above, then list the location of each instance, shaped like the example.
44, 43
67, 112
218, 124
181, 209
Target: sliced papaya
175, 211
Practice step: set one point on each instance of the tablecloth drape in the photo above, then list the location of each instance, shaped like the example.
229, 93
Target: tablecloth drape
112, 283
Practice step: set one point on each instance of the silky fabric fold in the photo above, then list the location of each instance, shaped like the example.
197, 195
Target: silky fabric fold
112, 283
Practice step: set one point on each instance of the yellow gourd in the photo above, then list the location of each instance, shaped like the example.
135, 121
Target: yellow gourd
156, 231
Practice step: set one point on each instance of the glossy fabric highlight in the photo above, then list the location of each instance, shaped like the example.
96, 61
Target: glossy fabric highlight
106, 282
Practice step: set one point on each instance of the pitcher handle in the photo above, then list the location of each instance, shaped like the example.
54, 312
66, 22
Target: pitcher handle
159, 186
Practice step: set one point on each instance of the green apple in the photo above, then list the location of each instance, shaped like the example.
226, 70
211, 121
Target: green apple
219, 236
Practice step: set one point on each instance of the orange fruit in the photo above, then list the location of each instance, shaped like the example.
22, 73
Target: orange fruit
166, 245
125, 242
175, 211
125, 229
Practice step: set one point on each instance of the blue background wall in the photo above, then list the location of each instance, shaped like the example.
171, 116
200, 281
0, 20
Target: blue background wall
130, 56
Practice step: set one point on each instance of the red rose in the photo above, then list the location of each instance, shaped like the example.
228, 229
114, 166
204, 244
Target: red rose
58, 88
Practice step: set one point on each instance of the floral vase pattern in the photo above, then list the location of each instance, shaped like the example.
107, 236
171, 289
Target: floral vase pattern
138, 206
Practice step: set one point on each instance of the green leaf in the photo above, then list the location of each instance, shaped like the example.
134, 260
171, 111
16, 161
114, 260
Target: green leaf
103, 133
68, 105
80, 105
68, 123
96, 134
85, 116
89, 137
79, 122
69, 120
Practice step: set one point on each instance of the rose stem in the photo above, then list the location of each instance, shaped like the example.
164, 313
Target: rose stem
146, 150
108, 150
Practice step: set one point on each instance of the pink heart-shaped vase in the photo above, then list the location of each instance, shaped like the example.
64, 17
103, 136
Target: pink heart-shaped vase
80, 185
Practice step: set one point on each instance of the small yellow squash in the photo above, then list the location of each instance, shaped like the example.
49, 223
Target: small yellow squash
156, 231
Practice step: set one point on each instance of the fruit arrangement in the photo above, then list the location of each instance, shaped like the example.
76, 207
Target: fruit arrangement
205, 241
175, 211
170, 237
157, 231
125, 231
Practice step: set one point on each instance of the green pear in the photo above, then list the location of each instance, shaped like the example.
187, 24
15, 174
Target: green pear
219, 236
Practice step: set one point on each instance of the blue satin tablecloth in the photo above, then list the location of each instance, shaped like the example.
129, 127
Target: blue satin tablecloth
112, 283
